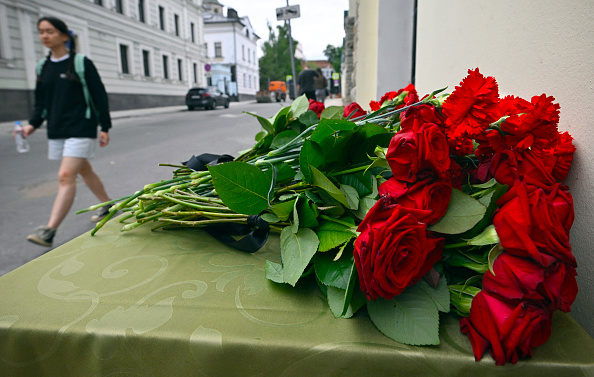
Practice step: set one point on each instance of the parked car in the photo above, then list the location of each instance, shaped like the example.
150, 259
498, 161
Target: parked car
208, 98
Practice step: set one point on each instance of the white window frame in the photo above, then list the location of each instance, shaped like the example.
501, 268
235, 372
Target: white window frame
220, 49
5, 44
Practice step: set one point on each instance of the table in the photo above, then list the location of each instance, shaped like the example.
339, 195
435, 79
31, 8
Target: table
178, 303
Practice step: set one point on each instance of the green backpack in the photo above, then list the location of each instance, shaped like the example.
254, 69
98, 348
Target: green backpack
79, 68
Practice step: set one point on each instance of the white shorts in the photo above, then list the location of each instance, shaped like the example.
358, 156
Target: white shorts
82, 147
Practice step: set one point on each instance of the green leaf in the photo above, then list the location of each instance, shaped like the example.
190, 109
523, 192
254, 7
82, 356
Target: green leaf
321, 181
334, 273
264, 143
342, 301
362, 182
284, 172
283, 210
439, 295
352, 196
493, 254
265, 123
332, 235
295, 225
332, 112
307, 214
283, 138
297, 249
270, 217
365, 205
487, 237
486, 185
299, 106
311, 155
274, 272
242, 186
463, 213
461, 297
409, 318
309, 118
329, 127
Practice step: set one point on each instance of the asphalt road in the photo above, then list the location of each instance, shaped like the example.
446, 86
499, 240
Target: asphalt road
28, 181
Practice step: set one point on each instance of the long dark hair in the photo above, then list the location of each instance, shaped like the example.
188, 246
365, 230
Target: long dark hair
62, 28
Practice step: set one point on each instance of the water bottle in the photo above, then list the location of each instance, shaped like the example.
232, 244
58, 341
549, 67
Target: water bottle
22, 145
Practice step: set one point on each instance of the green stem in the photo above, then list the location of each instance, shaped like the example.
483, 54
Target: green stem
336, 221
456, 245
348, 171
292, 187
204, 222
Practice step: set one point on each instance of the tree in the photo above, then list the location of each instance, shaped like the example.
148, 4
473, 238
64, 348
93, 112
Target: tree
334, 55
275, 64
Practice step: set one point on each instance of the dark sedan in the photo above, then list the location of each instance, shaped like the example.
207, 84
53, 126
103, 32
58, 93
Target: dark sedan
208, 98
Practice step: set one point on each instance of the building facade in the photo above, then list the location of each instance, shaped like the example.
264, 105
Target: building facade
148, 52
230, 41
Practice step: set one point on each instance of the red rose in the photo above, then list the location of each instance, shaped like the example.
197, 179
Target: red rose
422, 195
393, 250
316, 107
563, 205
354, 109
472, 106
520, 279
536, 167
536, 128
410, 97
528, 226
413, 118
411, 152
508, 331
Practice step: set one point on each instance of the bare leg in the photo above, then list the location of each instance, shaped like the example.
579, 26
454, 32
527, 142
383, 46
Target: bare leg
69, 169
93, 182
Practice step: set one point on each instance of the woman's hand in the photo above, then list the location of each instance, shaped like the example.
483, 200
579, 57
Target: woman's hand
103, 138
28, 130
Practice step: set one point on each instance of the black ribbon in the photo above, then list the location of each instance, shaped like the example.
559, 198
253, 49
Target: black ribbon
256, 230
255, 234
201, 162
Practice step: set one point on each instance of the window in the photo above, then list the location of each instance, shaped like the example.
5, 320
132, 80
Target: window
165, 67
206, 50
195, 72
141, 11
244, 80
161, 18
176, 22
249, 83
218, 50
249, 56
254, 55
119, 6
146, 59
192, 36
124, 59
179, 70
98, 2
242, 52
247, 32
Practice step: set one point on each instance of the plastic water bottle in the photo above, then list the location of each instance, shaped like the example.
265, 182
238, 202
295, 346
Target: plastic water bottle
22, 145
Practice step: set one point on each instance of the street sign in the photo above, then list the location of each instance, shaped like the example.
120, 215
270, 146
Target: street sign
288, 12
335, 76
207, 67
288, 78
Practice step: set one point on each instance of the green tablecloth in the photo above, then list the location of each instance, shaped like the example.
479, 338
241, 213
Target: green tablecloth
178, 303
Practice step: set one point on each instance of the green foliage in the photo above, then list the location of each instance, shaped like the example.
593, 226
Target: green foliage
243, 187
411, 317
334, 55
464, 212
275, 63
297, 249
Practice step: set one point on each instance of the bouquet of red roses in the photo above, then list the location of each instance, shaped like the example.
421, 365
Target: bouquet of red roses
461, 209
509, 155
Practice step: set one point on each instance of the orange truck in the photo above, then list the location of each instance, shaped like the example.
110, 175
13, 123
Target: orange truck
278, 90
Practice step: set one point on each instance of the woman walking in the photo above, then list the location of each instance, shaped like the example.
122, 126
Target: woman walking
72, 117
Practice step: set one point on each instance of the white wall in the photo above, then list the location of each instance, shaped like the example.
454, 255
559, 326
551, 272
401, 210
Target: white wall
530, 47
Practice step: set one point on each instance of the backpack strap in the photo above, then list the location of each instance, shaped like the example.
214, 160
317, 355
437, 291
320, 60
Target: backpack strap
79, 68
40, 65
